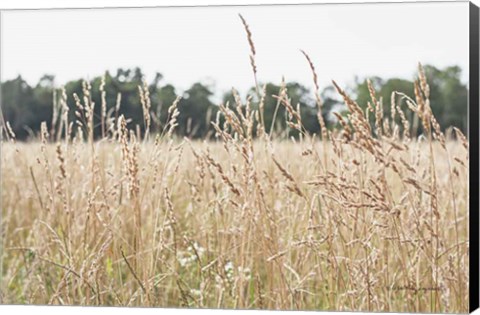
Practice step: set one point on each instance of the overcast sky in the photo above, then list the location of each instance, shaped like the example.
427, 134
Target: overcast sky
209, 44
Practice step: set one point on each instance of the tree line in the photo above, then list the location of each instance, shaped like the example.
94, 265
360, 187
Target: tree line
25, 106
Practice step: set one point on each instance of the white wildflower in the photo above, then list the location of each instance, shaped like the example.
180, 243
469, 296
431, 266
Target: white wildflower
229, 270
195, 292
245, 273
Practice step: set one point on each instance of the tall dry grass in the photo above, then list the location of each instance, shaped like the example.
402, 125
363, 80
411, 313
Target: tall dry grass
366, 218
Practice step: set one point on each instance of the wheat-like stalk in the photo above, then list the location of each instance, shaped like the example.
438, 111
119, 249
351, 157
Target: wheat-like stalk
370, 218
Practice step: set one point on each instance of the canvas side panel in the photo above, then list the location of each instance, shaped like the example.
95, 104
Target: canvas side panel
474, 160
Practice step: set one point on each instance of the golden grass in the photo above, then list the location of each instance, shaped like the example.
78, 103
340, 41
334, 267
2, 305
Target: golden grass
237, 223
367, 219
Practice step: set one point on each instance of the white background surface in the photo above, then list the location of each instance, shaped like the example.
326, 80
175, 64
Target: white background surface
6, 4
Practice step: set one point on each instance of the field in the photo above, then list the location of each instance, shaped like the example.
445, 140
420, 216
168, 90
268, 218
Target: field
365, 217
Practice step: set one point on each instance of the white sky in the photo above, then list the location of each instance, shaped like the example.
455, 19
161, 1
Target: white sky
209, 44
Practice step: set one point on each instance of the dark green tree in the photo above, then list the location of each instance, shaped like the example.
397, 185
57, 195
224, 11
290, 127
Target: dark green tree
196, 111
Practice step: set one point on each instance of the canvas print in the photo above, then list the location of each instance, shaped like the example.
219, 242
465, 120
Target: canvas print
281, 157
